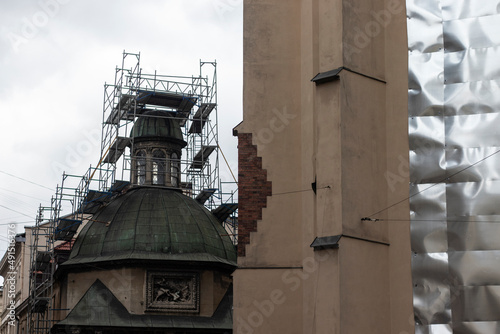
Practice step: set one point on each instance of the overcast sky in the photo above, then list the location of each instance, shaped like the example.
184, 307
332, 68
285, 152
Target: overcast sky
56, 56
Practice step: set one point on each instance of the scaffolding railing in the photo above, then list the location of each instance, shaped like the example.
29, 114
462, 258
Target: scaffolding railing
191, 100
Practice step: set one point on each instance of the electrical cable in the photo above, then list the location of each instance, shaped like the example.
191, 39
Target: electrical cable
431, 186
15, 192
15, 203
434, 220
20, 178
9, 218
15, 211
26, 222
298, 191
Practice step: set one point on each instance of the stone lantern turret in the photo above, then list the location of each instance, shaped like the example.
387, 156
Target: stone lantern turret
156, 150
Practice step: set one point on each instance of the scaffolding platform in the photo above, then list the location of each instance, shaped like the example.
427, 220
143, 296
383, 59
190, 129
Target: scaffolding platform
204, 195
116, 150
66, 229
179, 102
202, 156
201, 117
43, 260
223, 211
94, 200
40, 304
119, 186
122, 110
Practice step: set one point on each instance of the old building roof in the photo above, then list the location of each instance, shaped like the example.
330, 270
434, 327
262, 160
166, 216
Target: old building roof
153, 223
65, 246
157, 125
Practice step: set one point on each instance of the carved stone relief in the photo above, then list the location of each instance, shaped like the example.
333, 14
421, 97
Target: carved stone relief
171, 291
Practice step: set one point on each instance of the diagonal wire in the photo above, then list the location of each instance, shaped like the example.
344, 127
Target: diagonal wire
20, 178
435, 184
5, 207
15, 192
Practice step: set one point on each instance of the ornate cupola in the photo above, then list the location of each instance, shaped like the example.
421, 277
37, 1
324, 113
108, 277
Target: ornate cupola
156, 149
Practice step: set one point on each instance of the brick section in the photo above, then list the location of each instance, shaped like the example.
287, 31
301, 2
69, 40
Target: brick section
253, 189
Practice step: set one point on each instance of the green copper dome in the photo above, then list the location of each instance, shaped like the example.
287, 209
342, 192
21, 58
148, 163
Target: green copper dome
157, 125
149, 223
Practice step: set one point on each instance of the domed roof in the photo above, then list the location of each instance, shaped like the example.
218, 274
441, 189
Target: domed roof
156, 124
150, 223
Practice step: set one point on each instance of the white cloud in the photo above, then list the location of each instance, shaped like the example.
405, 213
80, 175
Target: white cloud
51, 88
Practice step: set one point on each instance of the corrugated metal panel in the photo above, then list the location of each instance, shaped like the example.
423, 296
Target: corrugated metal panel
454, 117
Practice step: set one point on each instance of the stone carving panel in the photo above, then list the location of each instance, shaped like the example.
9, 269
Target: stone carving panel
172, 292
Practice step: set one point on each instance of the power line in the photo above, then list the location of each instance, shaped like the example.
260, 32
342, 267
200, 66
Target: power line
3, 206
15, 192
435, 220
20, 178
9, 218
26, 222
15, 202
298, 191
435, 184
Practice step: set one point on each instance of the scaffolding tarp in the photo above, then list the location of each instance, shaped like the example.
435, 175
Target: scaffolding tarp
42, 260
40, 304
94, 200
223, 211
119, 186
66, 228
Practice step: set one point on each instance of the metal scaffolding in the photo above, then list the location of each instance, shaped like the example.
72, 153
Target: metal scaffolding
40, 278
42, 266
191, 101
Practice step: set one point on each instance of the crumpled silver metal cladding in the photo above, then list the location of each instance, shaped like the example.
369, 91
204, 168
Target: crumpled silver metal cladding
454, 140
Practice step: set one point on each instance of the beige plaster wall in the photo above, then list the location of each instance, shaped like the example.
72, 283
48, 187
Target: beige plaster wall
25, 266
267, 301
364, 287
272, 98
213, 287
345, 135
129, 287
397, 165
325, 29
127, 284
363, 155
221, 283
21, 293
363, 38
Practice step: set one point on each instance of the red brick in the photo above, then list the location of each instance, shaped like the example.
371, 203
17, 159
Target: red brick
253, 189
